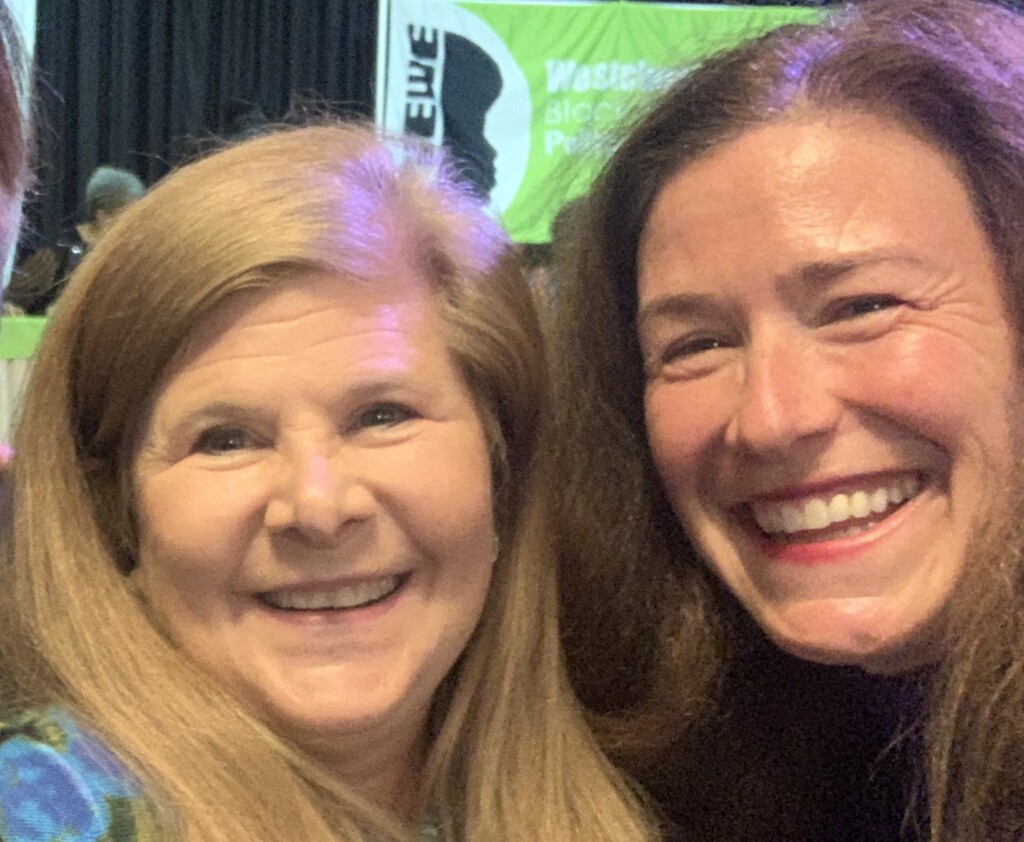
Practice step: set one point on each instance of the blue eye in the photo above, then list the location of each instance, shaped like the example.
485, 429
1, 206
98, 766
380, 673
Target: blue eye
222, 439
384, 414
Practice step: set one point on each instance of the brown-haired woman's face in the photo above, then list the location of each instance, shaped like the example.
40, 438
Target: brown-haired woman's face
830, 379
314, 506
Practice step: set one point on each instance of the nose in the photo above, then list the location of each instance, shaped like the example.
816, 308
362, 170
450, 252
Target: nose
316, 496
786, 397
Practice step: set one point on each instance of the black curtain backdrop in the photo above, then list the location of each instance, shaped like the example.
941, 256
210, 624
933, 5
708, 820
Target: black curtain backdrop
143, 85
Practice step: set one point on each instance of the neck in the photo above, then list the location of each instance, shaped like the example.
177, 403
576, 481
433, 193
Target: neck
385, 770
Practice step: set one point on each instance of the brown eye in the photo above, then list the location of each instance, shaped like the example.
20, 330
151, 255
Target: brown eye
691, 348
223, 439
864, 305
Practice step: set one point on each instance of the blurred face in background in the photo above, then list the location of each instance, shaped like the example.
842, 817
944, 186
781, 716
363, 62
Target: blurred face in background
314, 507
830, 378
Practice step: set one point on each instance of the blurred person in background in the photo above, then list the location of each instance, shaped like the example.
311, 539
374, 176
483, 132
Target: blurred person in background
40, 278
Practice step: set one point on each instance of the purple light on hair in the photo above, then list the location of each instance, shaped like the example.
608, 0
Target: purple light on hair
389, 317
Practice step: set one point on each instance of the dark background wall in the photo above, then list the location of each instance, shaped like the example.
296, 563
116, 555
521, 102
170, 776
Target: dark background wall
144, 84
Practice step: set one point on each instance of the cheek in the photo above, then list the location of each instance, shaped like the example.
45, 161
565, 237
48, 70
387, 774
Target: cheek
192, 531
441, 491
683, 421
463, 521
955, 393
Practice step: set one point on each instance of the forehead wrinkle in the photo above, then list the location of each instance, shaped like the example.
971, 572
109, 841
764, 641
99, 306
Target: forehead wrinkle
250, 329
395, 357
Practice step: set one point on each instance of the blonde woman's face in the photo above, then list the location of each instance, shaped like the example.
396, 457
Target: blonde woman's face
831, 380
314, 506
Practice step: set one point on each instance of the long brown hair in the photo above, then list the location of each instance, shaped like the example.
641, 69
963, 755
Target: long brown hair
510, 757
951, 72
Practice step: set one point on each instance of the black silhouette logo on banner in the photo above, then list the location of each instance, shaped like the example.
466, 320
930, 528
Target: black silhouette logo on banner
470, 83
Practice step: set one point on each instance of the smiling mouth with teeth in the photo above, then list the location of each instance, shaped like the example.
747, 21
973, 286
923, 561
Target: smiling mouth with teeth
347, 597
833, 516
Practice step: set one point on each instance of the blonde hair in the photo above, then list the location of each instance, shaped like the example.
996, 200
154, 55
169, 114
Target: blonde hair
510, 756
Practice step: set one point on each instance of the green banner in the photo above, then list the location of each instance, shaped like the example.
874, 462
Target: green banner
528, 96
19, 336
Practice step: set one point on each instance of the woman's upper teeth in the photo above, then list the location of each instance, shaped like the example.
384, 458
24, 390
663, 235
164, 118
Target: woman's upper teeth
349, 596
821, 512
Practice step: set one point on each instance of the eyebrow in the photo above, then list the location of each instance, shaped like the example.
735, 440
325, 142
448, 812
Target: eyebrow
818, 273
219, 411
678, 305
371, 387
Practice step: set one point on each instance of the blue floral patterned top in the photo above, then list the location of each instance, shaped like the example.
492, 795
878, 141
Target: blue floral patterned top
58, 784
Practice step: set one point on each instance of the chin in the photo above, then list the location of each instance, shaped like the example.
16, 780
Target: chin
321, 731
880, 647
